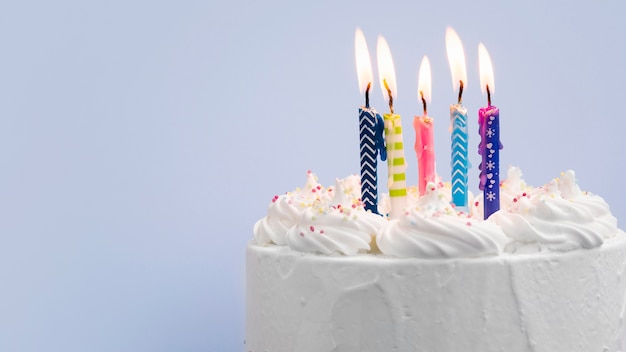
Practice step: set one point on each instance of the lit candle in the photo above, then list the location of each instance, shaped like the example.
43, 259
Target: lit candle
393, 132
459, 161
489, 147
371, 128
424, 137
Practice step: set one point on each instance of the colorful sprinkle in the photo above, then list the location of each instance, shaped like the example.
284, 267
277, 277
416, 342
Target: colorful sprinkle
312, 228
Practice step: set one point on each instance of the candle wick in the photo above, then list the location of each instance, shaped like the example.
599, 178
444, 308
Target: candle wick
367, 95
424, 103
390, 96
488, 96
460, 92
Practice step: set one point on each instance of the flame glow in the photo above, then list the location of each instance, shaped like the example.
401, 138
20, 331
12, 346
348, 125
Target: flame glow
363, 63
456, 58
424, 81
386, 70
486, 69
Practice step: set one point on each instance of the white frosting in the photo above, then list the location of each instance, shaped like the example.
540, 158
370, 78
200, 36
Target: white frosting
557, 216
554, 217
544, 302
341, 230
432, 228
285, 210
511, 283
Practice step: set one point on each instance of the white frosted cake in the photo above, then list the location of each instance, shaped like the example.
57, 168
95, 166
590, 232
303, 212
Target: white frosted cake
542, 274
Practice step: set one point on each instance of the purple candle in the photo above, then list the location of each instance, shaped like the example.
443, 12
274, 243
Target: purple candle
490, 145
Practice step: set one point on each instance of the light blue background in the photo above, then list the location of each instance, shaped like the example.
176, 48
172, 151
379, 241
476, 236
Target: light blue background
139, 141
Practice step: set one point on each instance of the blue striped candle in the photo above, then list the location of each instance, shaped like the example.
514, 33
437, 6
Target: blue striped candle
458, 120
459, 162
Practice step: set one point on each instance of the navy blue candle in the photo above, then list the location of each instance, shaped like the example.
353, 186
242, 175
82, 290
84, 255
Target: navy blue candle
371, 127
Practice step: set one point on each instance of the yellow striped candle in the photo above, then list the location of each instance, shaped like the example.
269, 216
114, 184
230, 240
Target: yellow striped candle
396, 164
393, 133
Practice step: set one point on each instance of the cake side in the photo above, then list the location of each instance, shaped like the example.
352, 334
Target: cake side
571, 301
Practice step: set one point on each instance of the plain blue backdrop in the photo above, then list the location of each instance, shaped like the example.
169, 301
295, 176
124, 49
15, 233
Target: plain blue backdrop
141, 140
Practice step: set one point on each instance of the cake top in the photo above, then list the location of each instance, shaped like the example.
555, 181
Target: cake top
332, 221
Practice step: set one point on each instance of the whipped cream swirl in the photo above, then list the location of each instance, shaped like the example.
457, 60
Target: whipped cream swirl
432, 229
557, 216
284, 211
343, 226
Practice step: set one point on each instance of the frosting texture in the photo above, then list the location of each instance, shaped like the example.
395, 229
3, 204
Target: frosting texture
285, 210
432, 228
557, 216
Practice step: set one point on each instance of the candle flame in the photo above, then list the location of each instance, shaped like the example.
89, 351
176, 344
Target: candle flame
363, 63
424, 81
386, 70
486, 69
456, 58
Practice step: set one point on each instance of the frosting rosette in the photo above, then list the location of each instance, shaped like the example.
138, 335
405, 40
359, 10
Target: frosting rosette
557, 216
284, 211
343, 226
432, 229
335, 230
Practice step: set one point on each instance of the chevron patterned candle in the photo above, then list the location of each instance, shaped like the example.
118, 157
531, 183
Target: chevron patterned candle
424, 131
490, 145
459, 161
393, 133
371, 128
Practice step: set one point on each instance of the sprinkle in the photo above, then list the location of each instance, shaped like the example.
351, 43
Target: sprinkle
468, 223
524, 194
353, 206
312, 228
321, 232
313, 190
319, 187
514, 200
476, 204
302, 234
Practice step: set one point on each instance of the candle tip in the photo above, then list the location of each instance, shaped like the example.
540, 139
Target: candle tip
488, 96
367, 95
460, 92
390, 95
424, 103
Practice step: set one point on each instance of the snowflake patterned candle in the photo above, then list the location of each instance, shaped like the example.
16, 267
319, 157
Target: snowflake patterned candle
459, 161
489, 147
424, 136
371, 128
393, 133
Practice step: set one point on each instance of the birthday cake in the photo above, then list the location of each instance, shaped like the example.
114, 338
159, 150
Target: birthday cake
544, 273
